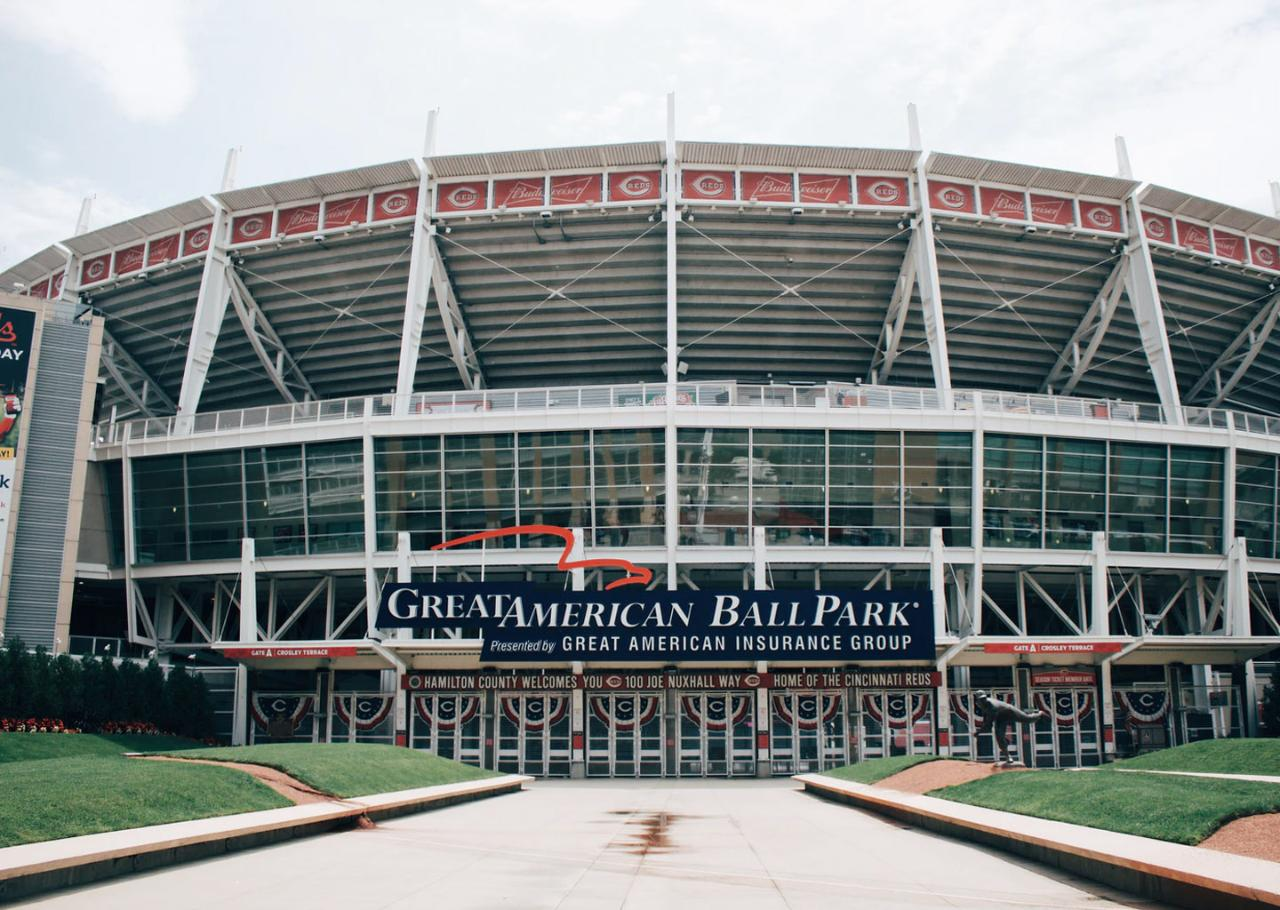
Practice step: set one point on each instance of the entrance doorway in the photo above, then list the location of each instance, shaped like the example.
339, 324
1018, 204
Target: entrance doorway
449, 724
717, 734
895, 722
533, 734
625, 735
808, 730
1067, 736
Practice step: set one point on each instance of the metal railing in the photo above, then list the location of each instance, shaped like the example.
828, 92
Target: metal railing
832, 395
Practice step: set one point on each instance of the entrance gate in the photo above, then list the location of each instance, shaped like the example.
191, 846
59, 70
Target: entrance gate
451, 725
625, 735
534, 734
717, 734
966, 720
895, 722
1067, 737
808, 731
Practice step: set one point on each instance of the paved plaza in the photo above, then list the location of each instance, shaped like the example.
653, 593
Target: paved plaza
614, 844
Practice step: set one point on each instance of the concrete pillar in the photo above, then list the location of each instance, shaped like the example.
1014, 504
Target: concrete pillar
760, 582
240, 711
1100, 596
938, 581
404, 575
248, 592
1107, 703
577, 710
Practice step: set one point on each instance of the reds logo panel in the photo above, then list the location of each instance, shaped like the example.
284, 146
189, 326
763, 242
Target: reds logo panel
345, 212
298, 220
519, 193
767, 187
825, 189
883, 191
129, 260
95, 269
1157, 227
196, 240
395, 204
1051, 209
634, 186
162, 249
708, 184
462, 197
951, 197
55, 286
1263, 254
576, 189
1193, 236
1099, 216
1003, 203
248, 228
1228, 246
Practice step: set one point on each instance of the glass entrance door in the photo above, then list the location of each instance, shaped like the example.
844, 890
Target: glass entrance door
625, 735
1067, 736
895, 722
717, 734
533, 734
808, 731
451, 725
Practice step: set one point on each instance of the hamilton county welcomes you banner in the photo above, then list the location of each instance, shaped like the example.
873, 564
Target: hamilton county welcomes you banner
523, 623
16, 330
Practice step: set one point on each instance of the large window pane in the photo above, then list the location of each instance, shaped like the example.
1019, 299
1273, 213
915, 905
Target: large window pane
215, 493
335, 497
789, 486
554, 472
1012, 490
629, 491
159, 509
938, 487
1195, 500
479, 485
866, 488
274, 500
1256, 502
1075, 492
714, 478
1138, 501
407, 479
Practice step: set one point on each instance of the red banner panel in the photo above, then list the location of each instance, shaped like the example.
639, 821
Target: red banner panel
162, 249
95, 269
1000, 203
248, 228
1157, 227
196, 239
395, 204
890, 191
627, 186
129, 259
519, 193
340, 213
55, 286
462, 197
1228, 246
1194, 236
758, 187
1052, 647
301, 219
951, 197
1266, 255
40, 290
708, 184
291, 652
1062, 678
825, 189
1100, 216
1051, 209
576, 189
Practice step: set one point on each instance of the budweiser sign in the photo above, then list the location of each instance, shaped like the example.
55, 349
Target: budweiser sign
196, 240
1194, 236
344, 212
1264, 254
129, 260
1051, 209
708, 184
462, 197
1228, 246
300, 220
1157, 227
250, 227
824, 189
40, 290
767, 187
578, 189
395, 204
520, 193
1099, 216
1003, 203
95, 269
162, 249
634, 186
891, 191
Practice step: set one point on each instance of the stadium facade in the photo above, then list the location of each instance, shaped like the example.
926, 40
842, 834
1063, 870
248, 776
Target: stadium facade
1043, 398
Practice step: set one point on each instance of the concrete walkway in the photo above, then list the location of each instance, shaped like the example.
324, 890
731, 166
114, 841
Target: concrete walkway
745, 845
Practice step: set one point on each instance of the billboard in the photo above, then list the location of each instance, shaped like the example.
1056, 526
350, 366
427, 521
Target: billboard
17, 329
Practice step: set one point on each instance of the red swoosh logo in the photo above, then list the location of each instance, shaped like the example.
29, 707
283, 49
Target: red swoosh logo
636, 575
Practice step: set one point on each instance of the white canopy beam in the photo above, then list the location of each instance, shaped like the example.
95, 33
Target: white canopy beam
1238, 356
206, 324
1077, 356
895, 317
1144, 297
935, 327
281, 368
135, 382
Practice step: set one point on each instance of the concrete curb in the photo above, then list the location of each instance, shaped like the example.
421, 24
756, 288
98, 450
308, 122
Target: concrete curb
1139, 865
30, 869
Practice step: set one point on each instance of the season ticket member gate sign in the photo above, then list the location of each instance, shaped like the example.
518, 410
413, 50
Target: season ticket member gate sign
520, 622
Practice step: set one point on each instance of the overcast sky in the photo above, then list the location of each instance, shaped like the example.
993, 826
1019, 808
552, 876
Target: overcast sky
137, 102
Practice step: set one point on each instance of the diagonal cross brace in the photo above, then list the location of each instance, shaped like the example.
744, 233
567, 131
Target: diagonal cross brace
895, 317
455, 328
136, 383
280, 366
1077, 356
1238, 356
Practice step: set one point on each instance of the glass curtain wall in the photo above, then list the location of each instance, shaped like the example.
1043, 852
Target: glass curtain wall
1256, 502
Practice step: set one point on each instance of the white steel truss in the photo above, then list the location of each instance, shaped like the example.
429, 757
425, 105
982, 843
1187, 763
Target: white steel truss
135, 382
935, 327
211, 307
455, 327
282, 369
1077, 356
1144, 296
1211, 389
895, 317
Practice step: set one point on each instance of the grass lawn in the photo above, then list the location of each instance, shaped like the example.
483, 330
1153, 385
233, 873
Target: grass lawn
1218, 756
90, 791
875, 769
349, 769
37, 746
1176, 809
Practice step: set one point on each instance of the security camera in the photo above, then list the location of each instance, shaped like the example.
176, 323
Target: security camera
318, 238
1029, 229
797, 210
544, 215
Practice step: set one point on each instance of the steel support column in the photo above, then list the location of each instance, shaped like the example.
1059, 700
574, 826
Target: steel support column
1077, 356
1144, 297
206, 323
415, 300
935, 327
671, 512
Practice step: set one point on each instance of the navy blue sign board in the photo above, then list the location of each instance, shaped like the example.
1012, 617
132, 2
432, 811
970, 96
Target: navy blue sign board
522, 623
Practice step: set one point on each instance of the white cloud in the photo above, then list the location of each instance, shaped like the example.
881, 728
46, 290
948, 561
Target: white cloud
34, 214
134, 51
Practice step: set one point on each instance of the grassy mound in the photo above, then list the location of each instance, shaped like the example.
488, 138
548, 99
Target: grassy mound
876, 769
1217, 756
348, 770
1175, 809
15, 747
